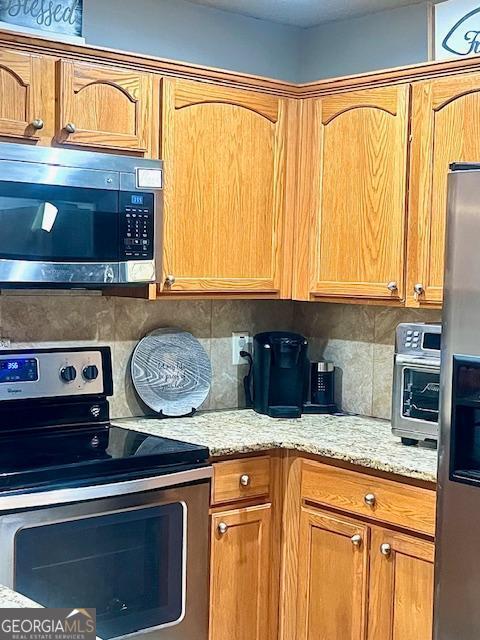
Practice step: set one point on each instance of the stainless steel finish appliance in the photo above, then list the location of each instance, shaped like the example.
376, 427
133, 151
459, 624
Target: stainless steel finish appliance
78, 219
93, 514
416, 382
457, 571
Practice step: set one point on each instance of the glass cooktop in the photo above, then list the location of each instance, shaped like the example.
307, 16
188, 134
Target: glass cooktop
76, 457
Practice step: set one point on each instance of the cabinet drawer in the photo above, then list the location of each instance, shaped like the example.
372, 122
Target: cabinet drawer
241, 479
402, 505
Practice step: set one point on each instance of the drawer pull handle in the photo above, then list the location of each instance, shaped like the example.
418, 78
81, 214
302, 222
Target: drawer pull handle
392, 286
356, 540
370, 500
222, 528
70, 127
170, 281
245, 480
386, 550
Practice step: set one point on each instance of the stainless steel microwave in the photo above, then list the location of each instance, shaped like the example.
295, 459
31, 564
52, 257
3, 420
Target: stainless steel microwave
78, 219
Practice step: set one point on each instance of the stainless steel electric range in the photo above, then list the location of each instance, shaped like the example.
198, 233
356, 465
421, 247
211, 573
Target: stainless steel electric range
93, 515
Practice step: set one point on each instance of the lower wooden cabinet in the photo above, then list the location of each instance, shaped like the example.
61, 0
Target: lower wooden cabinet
361, 582
239, 575
332, 577
401, 587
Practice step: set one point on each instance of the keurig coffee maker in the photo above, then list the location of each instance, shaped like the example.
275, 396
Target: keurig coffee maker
280, 374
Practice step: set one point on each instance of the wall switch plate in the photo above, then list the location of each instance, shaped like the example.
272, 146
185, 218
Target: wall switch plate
241, 341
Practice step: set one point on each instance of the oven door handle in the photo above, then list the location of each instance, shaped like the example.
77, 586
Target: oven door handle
19, 500
418, 363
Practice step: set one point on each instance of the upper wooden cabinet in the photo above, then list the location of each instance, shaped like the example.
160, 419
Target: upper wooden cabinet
224, 153
353, 170
107, 107
27, 99
446, 113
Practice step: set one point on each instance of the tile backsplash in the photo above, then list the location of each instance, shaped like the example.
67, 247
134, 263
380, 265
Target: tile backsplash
62, 319
359, 339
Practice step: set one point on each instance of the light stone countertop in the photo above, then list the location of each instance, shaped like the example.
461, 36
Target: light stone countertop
366, 442
12, 600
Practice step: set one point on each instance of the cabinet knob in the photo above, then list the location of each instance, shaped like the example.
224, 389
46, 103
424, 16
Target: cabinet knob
392, 286
245, 480
370, 499
70, 127
222, 528
38, 124
356, 540
386, 550
170, 281
418, 289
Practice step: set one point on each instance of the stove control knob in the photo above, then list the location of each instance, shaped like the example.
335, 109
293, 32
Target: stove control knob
68, 374
90, 372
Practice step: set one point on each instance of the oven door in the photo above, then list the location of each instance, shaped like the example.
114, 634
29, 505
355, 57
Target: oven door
416, 396
141, 560
58, 234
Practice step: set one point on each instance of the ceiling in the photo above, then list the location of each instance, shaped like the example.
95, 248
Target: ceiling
303, 13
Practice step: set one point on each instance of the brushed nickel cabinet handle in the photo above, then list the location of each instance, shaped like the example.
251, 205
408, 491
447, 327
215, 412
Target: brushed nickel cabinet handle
392, 286
370, 499
222, 528
356, 540
418, 289
245, 480
170, 281
386, 550
38, 124
70, 127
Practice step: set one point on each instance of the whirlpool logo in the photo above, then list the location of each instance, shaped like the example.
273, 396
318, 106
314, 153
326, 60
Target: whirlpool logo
463, 39
47, 624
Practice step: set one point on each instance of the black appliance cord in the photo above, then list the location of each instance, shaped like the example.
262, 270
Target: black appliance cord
247, 381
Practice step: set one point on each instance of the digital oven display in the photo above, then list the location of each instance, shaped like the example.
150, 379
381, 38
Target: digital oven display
19, 370
432, 341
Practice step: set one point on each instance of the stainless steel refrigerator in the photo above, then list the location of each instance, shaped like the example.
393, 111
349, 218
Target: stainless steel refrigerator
457, 570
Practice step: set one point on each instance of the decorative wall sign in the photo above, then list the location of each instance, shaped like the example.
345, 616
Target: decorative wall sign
60, 17
457, 29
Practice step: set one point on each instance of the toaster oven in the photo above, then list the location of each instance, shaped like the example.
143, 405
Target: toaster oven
416, 382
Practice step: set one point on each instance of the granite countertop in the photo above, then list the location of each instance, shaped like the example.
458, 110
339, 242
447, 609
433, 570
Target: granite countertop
366, 442
12, 600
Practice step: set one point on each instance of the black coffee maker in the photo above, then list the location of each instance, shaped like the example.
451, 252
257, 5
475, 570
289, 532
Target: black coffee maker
280, 374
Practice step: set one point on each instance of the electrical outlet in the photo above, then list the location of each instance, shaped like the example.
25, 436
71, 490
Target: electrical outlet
241, 341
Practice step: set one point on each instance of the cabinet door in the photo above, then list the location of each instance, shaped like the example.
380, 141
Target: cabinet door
332, 579
224, 152
240, 574
401, 587
446, 113
352, 195
27, 101
106, 107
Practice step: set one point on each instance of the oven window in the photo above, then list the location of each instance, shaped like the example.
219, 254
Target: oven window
62, 224
128, 565
421, 390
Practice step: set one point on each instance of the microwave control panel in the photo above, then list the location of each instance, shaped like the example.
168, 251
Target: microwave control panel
137, 228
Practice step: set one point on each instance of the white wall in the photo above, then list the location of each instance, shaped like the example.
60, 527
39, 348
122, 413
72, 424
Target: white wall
188, 32
380, 40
